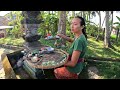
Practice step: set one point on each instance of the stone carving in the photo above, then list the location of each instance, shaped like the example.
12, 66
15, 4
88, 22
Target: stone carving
31, 23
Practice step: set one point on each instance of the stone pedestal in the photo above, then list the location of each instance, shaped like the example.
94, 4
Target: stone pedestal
31, 23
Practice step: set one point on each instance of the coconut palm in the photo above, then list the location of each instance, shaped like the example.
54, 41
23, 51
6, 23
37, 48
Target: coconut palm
117, 27
62, 24
107, 31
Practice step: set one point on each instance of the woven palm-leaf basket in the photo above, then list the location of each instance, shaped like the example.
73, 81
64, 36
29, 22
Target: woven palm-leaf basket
49, 61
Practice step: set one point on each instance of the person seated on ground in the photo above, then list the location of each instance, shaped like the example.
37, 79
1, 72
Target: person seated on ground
77, 51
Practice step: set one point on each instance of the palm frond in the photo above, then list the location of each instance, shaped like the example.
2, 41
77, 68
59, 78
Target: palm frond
118, 18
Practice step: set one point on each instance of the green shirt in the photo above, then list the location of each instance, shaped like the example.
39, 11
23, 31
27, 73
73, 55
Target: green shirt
81, 45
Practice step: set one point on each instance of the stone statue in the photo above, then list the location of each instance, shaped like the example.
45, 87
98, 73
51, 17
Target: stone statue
31, 23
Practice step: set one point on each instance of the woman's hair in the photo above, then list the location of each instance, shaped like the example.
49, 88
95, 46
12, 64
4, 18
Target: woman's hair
82, 22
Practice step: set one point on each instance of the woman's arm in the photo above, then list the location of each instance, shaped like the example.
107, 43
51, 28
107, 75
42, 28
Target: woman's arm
65, 37
74, 59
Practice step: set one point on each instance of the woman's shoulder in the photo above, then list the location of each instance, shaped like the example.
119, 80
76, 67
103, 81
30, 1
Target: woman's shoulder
81, 38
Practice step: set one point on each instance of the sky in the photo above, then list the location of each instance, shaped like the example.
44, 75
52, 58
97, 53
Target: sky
95, 19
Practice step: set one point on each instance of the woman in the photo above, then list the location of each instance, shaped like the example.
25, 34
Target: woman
77, 51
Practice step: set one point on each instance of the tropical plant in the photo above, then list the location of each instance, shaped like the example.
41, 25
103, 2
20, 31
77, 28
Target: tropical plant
15, 20
117, 28
50, 23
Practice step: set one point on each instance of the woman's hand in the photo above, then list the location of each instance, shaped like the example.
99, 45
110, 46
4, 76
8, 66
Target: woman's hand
65, 37
61, 35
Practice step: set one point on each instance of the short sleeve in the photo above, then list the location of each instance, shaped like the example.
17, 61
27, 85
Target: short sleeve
78, 45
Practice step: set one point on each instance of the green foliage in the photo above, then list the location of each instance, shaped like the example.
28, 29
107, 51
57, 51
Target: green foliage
95, 49
50, 23
118, 23
118, 18
47, 42
91, 30
113, 37
12, 41
16, 18
108, 70
68, 29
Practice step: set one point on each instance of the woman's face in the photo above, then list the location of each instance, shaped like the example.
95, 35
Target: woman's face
75, 25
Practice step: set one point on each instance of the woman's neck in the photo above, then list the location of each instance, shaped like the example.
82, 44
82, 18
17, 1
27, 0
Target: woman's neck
78, 34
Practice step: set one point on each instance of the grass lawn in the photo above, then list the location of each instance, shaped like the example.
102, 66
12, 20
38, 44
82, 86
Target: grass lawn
12, 41
96, 49
108, 70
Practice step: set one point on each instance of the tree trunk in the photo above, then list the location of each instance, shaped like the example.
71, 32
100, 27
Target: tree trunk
111, 22
107, 32
84, 15
52, 12
103, 20
99, 14
81, 13
73, 13
103, 33
117, 34
62, 25
48, 28
89, 15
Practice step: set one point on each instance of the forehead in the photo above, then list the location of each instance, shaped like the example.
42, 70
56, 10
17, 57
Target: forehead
77, 20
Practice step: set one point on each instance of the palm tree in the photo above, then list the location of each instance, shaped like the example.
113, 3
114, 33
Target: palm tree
99, 28
117, 27
111, 28
62, 24
93, 13
107, 31
73, 13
